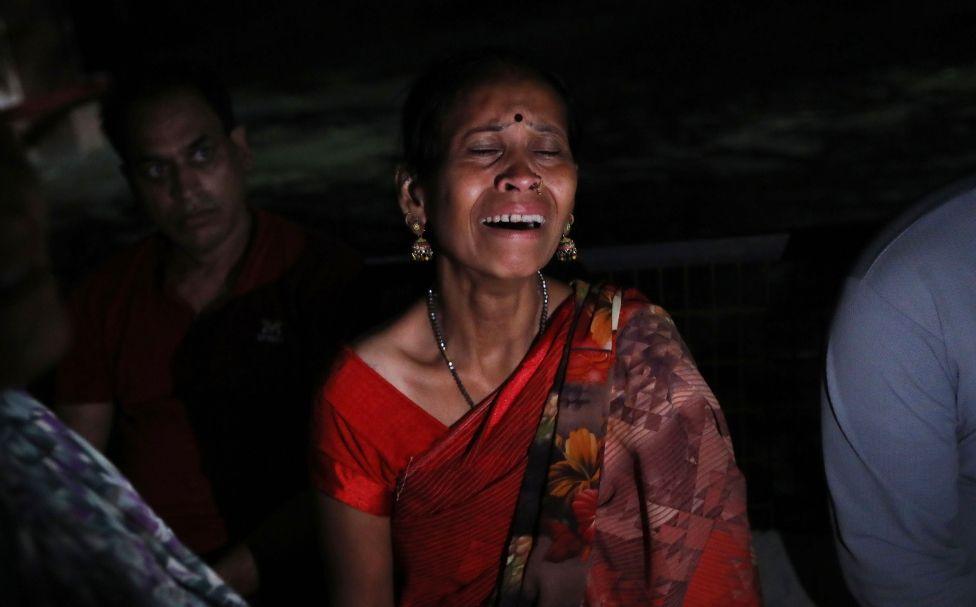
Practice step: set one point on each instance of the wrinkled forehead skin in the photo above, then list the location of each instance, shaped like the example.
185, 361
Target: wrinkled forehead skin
511, 92
477, 93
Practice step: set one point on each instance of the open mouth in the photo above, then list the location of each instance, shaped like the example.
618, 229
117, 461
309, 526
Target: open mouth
514, 222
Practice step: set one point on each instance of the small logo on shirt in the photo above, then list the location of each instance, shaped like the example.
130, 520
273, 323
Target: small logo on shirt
272, 331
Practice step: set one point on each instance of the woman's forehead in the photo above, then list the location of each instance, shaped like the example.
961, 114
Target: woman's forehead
500, 103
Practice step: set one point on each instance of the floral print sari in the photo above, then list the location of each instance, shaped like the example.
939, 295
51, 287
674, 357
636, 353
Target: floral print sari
614, 463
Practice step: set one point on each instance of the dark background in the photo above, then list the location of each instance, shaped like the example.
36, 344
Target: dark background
744, 151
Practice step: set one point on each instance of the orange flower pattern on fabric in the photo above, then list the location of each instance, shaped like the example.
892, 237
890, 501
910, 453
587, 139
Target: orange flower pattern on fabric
579, 468
593, 350
589, 367
601, 331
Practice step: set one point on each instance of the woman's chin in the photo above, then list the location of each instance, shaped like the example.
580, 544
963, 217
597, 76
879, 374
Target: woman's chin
513, 262
501, 267
517, 273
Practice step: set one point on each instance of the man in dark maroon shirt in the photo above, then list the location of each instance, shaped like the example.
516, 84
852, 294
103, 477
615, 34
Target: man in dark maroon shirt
197, 349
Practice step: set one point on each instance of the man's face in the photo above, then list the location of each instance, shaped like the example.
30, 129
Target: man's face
186, 170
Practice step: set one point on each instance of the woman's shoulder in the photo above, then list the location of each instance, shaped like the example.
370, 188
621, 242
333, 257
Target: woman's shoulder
643, 330
390, 348
368, 403
349, 381
631, 316
622, 304
370, 375
636, 304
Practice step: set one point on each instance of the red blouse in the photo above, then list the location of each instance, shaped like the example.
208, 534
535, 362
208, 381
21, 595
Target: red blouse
365, 432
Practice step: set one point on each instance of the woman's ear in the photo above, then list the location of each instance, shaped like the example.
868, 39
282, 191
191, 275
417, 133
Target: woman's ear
411, 195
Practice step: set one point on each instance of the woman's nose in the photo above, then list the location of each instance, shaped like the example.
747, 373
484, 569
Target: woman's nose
518, 176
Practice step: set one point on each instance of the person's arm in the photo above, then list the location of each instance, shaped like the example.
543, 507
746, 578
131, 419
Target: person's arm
683, 474
264, 558
239, 570
93, 421
354, 499
890, 449
358, 555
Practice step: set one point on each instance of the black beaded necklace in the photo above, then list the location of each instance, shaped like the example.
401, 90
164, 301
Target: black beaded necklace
442, 344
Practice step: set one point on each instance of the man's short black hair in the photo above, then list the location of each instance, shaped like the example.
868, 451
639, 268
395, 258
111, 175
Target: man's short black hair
153, 79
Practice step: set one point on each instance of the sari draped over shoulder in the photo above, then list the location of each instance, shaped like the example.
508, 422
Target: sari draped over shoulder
454, 503
601, 473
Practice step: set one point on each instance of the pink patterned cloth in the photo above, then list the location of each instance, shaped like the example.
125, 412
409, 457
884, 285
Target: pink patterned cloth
671, 524
643, 503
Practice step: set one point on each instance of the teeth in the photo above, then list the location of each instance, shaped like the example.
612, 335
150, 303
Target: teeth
515, 218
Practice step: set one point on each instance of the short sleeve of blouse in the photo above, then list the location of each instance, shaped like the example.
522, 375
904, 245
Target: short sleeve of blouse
346, 467
364, 433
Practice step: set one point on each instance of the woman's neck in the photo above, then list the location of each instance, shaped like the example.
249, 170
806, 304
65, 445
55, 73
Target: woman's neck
487, 322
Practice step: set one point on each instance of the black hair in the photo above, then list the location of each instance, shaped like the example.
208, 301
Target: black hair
435, 92
154, 78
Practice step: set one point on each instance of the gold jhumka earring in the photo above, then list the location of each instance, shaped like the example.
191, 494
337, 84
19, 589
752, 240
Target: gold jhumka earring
420, 250
566, 251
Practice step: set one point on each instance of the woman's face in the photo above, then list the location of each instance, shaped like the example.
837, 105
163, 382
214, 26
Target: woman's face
507, 185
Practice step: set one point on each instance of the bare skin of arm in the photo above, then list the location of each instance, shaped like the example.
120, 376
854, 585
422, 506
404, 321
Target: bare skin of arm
358, 555
93, 421
239, 570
